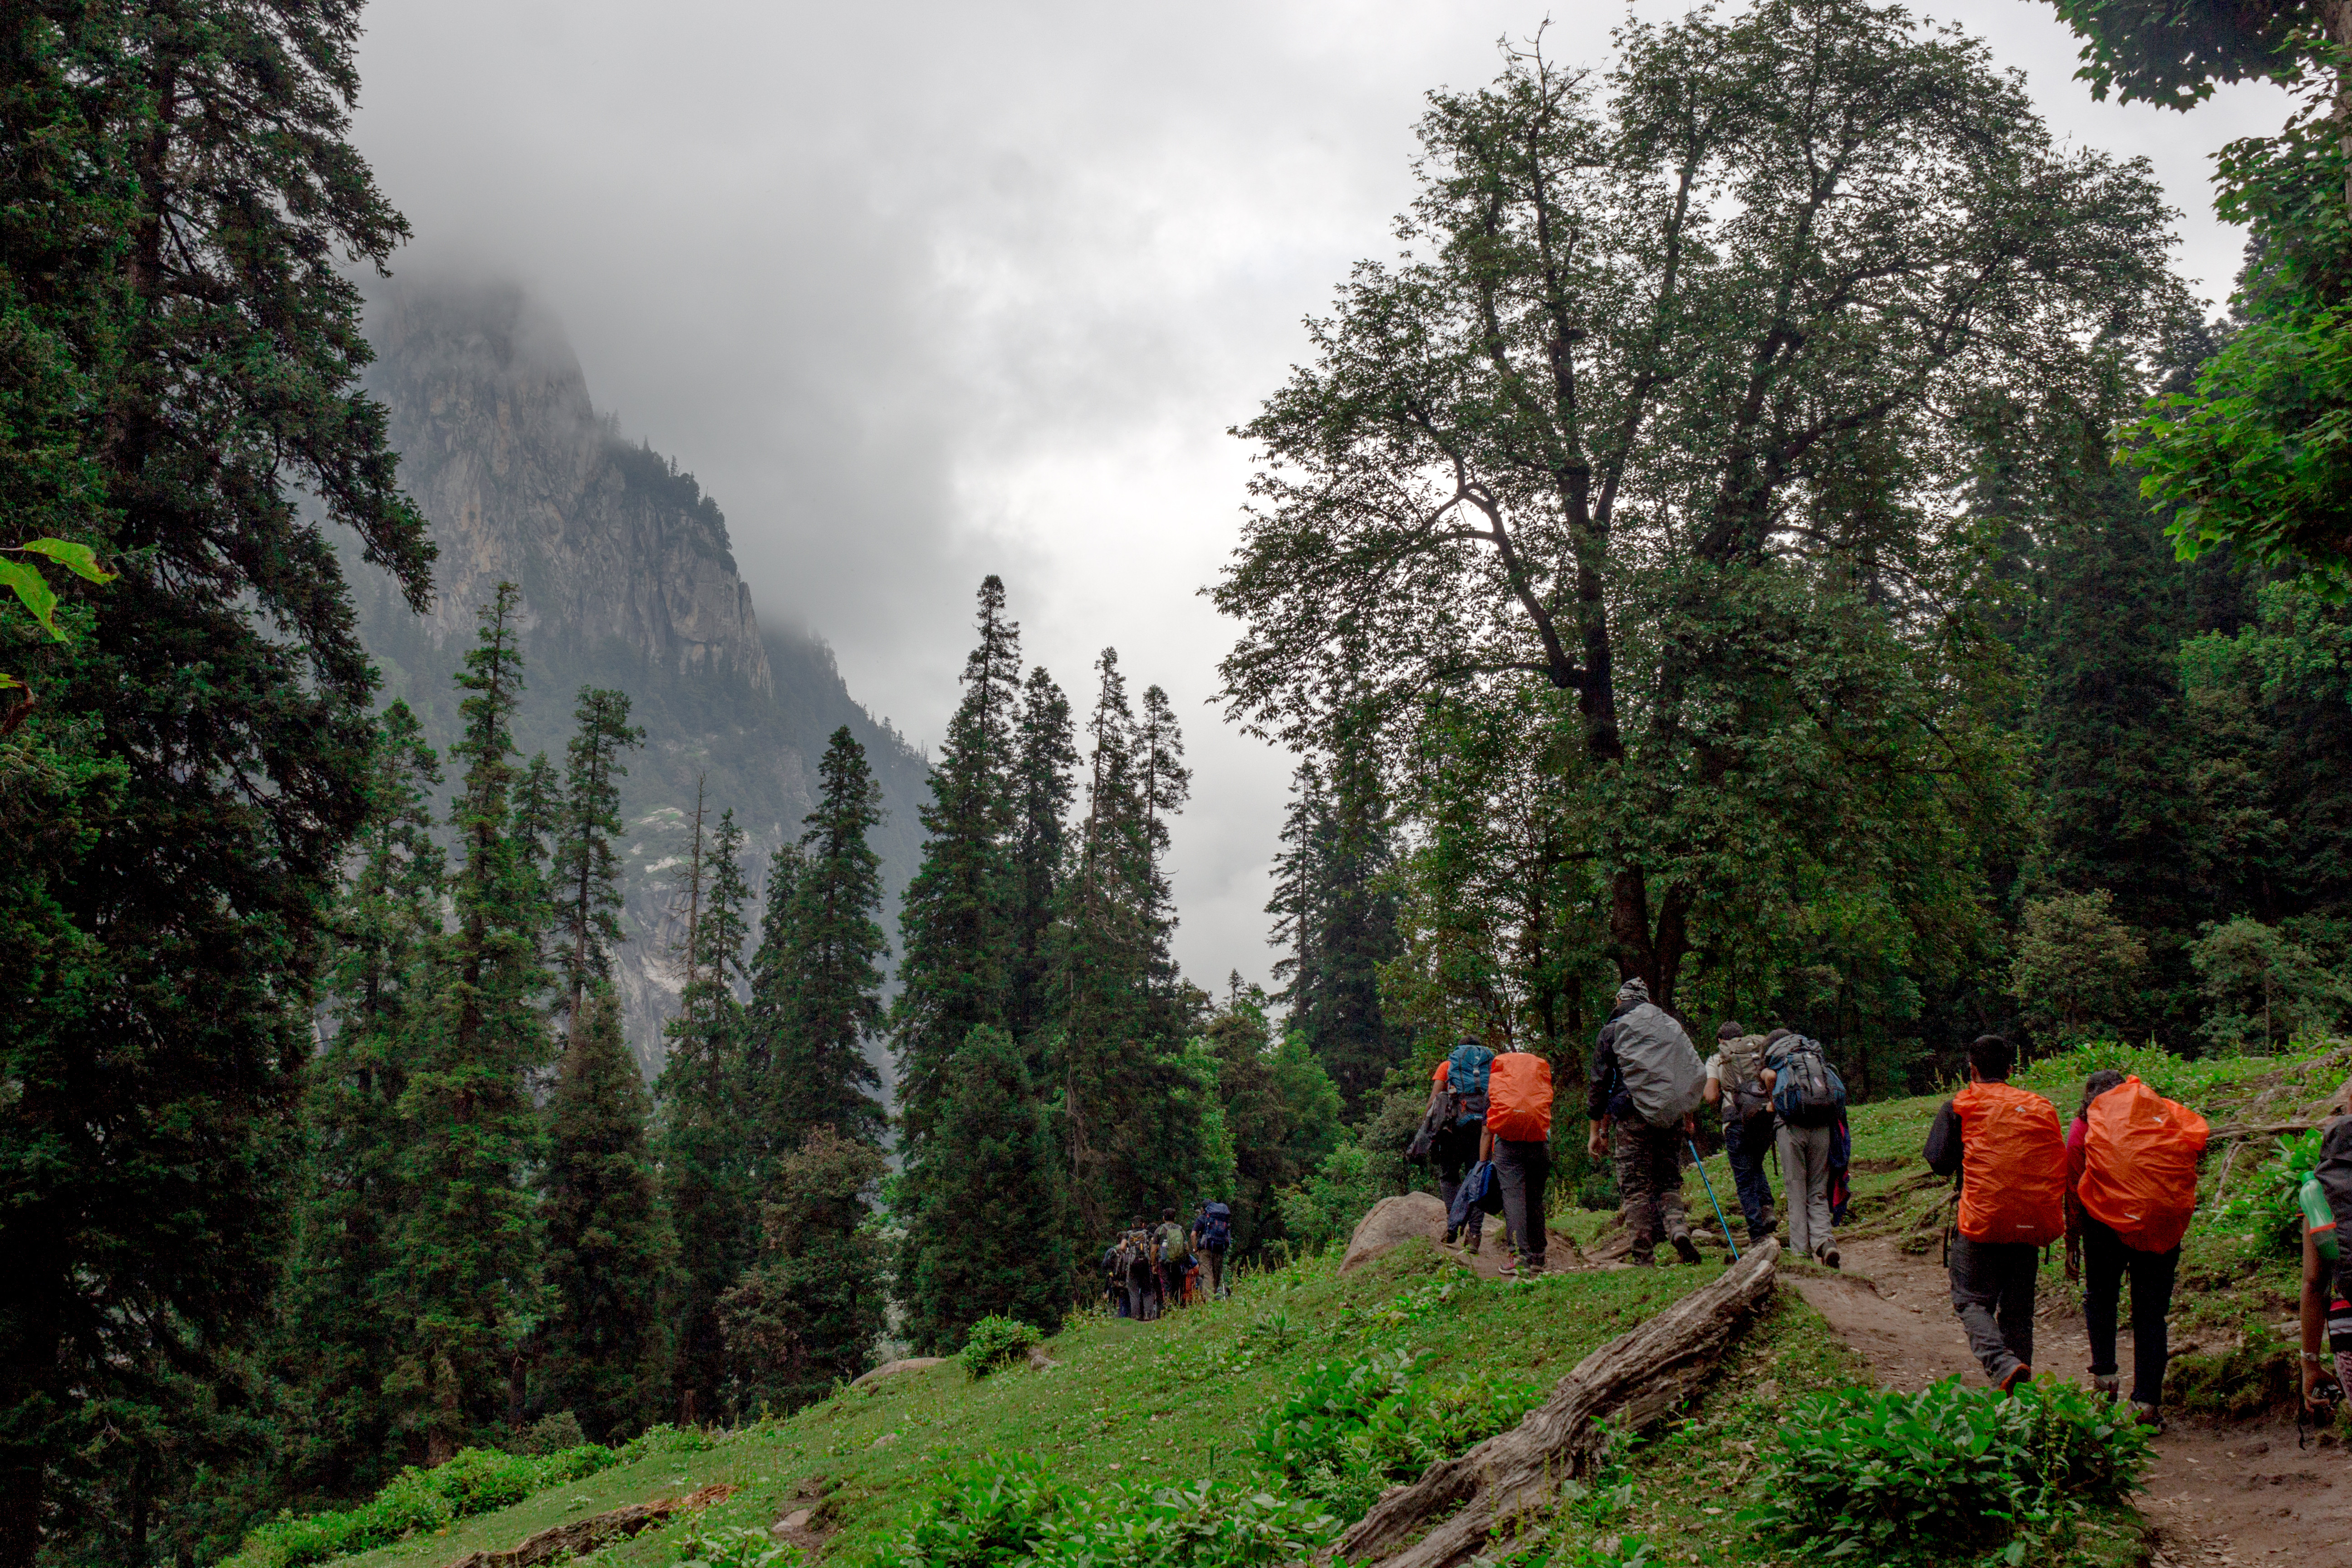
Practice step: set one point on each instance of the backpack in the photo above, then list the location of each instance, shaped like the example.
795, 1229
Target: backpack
1467, 1072
2139, 1165
1217, 1230
1660, 1066
2012, 1165
1519, 1097
1173, 1247
1744, 1094
1806, 1091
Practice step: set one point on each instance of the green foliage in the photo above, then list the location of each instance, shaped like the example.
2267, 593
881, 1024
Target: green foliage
1002, 1511
805, 1317
1910, 1478
1327, 1205
2075, 964
987, 1235
473, 1480
2268, 1214
995, 1342
2262, 988
1350, 1429
705, 1546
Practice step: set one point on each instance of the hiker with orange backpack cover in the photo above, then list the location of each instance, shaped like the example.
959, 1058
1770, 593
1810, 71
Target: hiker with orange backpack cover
1518, 1138
2004, 1143
2131, 1191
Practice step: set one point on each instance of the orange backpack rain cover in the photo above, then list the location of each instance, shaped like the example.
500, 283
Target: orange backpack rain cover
2012, 1165
1518, 1097
2139, 1166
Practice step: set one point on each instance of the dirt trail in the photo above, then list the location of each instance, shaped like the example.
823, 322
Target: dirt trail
2218, 1494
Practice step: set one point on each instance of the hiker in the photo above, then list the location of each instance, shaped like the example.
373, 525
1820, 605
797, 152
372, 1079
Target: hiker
2131, 1191
1808, 1122
1141, 1303
1213, 1237
1458, 1121
2326, 1201
1114, 1268
1735, 1080
1175, 1250
1518, 1138
2004, 1145
1648, 1082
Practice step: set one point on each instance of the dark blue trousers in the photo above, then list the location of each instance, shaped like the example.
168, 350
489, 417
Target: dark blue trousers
1749, 1147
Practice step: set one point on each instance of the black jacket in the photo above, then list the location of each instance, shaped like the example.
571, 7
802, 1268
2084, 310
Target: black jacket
1943, 1149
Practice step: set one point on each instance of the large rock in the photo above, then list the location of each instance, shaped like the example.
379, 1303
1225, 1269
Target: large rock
893, 1368
1395, 1220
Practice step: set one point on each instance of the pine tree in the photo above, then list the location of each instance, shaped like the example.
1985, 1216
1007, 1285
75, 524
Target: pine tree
466, 1268
180, 390
952, 925
1165, 783
1359, 920
1044, 784
586, 873
990, 1236
339, 1342
605, 1352
806, 1316
702, 1091
817, 982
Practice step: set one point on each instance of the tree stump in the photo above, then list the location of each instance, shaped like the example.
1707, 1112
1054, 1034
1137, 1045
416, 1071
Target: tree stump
1633, 1379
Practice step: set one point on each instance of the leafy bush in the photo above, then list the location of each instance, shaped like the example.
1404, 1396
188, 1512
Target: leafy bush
1350, 1428
474, 1481
996, 1341
1895, 1478
2268, 1214
1002, 1511
738, 1547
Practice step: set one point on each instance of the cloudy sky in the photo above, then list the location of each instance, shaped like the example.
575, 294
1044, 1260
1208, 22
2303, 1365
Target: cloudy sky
921, 291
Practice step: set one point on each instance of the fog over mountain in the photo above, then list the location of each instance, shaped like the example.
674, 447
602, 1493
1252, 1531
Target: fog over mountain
628, 581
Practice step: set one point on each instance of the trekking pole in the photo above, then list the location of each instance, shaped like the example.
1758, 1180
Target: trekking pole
1711, 1198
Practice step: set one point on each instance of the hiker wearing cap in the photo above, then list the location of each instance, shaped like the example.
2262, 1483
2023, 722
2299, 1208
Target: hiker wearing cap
1175, 1248
1518, 1138
1647, 1084
1734, 1082
1808, 1124
2004, 1145
1456, 1119
2326, 1201
2131, 1191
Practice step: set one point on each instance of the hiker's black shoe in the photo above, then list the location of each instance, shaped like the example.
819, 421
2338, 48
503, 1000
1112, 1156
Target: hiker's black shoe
1829, 1256
1450, 1234
1685, 1249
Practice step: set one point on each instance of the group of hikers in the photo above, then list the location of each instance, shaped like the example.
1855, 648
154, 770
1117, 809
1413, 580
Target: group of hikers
2118, 1185
1151, 1269
1488, 1130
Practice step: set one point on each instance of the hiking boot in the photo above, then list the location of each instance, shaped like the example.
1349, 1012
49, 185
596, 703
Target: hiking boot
2147, 1414
1828, 1253
2110, 1389
1450, 1234
1642, 1259
1685, 1248
2018, 1373
1471, 1245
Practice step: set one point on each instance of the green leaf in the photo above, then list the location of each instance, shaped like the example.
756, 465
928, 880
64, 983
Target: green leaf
79, 559
34, 591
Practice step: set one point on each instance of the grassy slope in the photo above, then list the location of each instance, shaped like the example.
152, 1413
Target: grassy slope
1180, 1399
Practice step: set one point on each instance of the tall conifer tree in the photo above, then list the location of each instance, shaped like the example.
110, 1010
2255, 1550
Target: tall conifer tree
952, 925
586, 875
704, 1154
466, 1271
817, 979
604, 1355
1044, 784
178, 204
339, 1337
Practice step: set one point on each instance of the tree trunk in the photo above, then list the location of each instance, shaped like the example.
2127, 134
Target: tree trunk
1630, 1381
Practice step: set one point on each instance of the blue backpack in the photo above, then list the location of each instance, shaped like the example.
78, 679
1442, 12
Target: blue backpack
1466, 1068
1217, 1232
1806, 1091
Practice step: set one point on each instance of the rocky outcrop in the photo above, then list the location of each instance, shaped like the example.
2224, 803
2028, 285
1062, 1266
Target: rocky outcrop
628, 581
1392, 1221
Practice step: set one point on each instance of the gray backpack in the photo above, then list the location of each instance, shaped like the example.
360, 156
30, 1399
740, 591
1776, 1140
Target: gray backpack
1744, 1094
1660, 1066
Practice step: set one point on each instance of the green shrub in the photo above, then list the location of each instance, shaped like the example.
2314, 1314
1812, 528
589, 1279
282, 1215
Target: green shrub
474, 1481
1350, 1428
738, 1548
2267, 1215
995, 1341
1002, 1511
1897, 1479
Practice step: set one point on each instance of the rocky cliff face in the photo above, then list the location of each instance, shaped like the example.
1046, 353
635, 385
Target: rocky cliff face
627, 581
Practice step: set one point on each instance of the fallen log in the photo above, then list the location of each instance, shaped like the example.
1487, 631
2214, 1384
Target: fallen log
584, 1535
1631, 1381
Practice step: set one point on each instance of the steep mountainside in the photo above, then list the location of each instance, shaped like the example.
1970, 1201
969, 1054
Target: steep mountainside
627, 581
